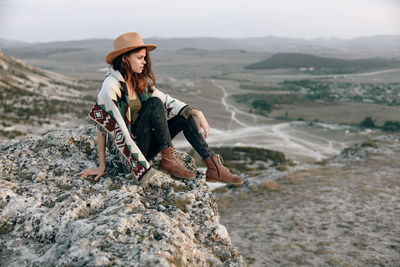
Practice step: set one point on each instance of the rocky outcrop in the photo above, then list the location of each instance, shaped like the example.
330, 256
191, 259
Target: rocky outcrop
50, 216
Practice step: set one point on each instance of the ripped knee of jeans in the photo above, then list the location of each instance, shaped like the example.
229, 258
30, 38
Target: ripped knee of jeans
185, 112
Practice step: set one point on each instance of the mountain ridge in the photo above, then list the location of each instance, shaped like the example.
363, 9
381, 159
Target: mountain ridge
387, 43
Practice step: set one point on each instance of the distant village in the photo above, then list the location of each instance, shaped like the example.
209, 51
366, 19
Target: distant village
306, 69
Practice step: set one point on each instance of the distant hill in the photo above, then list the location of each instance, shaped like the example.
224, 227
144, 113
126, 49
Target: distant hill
12, 43
383, 45
362, 44
34, 101
35, 50
327, 65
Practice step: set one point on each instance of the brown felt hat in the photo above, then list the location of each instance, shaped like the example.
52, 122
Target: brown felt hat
127, 42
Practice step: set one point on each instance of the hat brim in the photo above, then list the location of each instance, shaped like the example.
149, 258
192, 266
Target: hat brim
114, 54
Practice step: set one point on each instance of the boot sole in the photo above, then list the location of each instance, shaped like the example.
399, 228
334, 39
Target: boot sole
214, 181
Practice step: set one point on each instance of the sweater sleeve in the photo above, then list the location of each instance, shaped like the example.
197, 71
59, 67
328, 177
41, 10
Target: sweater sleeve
109, 95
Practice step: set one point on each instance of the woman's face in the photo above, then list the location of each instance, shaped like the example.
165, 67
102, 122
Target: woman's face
136, 60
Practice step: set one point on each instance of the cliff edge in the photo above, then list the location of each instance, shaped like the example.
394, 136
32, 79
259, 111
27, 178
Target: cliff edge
51, 216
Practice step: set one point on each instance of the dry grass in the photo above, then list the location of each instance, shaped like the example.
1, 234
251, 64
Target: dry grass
272, 186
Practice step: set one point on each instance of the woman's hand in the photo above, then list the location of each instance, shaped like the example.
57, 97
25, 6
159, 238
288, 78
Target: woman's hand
101, 145
96, 171
201, 121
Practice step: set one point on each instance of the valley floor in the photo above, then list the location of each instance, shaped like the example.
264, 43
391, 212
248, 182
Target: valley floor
343, 213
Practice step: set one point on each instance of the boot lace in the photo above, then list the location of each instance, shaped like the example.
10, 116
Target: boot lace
175, 156
173, 153
220, 160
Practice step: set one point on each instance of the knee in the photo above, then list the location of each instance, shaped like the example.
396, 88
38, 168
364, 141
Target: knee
155, 102
155, 106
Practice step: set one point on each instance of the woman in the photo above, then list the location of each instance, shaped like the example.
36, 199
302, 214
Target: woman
137, 121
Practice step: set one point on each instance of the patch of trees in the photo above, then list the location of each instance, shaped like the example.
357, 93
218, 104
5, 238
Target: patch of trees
323, 65
388, 126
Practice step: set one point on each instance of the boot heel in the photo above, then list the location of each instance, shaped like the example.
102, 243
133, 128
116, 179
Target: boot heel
217, 172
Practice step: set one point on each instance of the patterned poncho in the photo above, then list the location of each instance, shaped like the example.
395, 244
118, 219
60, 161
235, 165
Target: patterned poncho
111, 114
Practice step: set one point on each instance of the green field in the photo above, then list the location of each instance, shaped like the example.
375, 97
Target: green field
323, 65
276, 88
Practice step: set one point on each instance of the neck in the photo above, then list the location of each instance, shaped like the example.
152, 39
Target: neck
131, 91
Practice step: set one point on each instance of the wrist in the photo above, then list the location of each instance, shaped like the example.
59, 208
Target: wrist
193, 111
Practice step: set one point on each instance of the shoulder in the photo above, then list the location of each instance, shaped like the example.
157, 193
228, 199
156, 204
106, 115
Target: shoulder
110, 87
156, 90
113, 78
111, 81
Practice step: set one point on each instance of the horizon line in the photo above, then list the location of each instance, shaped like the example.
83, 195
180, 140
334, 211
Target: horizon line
210, 37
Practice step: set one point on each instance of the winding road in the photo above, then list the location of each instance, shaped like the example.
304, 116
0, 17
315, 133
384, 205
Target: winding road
296, 139
300, 141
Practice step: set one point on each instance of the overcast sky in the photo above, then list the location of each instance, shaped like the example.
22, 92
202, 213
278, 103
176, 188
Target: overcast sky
50, 20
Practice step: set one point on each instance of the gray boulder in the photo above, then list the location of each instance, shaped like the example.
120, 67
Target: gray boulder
49, 216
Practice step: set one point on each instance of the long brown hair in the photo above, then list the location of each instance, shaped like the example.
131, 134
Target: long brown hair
139, 81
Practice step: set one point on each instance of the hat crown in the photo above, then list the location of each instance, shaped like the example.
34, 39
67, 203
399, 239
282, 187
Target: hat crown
128, 40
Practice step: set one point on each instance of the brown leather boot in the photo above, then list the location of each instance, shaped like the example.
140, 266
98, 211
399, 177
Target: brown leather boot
171, 163
216, 172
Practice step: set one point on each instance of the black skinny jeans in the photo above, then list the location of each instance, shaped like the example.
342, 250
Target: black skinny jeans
153, 132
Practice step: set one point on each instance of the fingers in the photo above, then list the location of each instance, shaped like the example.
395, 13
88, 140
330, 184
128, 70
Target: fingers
87, 172
206, 129
98, 172
197, 120
201, 123
198, 126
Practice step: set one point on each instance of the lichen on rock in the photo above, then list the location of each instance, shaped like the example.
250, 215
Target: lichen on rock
49, 215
